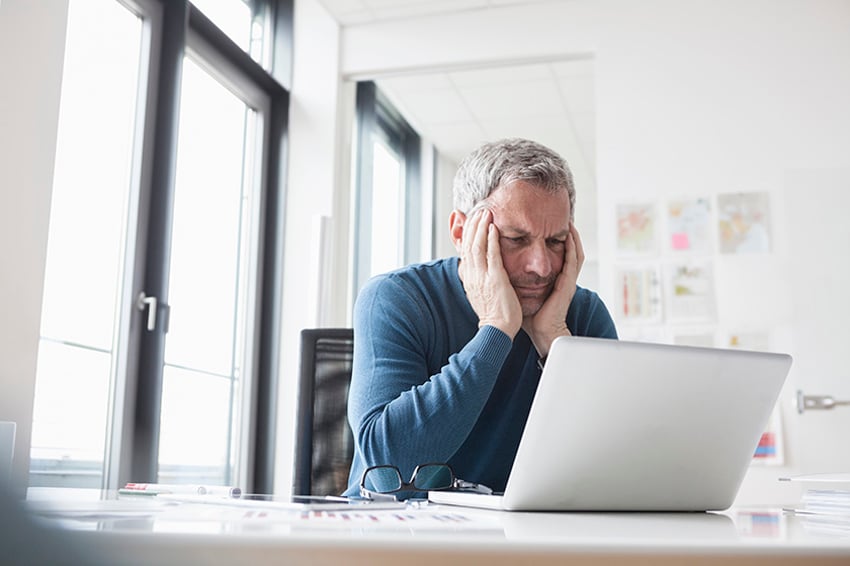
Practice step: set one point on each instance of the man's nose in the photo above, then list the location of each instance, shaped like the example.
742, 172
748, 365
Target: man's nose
537, 260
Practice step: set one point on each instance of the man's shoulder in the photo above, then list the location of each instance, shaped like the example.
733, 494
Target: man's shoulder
429, 290
434, 271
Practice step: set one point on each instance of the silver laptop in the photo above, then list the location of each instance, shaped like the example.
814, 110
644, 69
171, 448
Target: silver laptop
630, 426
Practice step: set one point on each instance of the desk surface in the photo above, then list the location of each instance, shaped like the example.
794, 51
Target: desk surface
151, 530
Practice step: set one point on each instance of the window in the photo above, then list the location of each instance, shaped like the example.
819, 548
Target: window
387, 208
92, 184
247, 24
156, 357
389, 197
213, 254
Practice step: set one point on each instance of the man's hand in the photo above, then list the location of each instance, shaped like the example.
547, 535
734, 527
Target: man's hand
484, 278
550, 321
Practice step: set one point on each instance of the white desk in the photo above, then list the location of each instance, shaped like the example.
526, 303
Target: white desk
144, 530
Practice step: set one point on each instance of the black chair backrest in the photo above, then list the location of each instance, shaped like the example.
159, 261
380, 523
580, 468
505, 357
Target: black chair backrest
324, 445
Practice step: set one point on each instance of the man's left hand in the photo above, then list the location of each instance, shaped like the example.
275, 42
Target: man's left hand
550, 321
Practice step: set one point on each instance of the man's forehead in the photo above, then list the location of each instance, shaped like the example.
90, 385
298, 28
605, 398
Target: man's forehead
521, 230
547, 224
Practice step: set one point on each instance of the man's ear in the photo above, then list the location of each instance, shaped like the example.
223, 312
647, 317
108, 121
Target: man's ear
456, 221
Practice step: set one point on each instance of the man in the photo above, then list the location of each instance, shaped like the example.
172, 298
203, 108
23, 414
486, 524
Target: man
448, 354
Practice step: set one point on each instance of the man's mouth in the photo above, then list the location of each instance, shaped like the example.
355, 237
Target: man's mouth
531, 290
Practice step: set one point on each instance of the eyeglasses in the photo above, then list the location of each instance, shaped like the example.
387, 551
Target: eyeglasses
379, 483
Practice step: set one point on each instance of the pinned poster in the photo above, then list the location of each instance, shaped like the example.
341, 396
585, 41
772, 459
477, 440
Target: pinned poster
689, 225
770, 447
744, 223
636, 228
690, 291
639, 294
769, 451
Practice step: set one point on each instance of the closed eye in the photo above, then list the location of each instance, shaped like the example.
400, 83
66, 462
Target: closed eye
515, 239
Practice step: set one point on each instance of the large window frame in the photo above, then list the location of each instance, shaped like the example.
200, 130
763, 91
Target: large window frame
376, 116
170, 28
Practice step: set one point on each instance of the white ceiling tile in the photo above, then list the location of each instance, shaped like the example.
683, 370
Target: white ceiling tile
457, 140
354, 18
585, 129
437, 106
465, 136
578, 94
519, 99
541, 129
573, 67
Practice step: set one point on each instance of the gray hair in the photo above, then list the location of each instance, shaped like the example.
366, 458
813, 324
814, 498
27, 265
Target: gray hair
499, 163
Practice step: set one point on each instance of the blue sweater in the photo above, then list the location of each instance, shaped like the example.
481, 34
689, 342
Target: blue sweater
429, 386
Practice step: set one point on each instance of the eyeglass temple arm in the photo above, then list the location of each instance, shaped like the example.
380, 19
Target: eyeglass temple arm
472, 486
376, 496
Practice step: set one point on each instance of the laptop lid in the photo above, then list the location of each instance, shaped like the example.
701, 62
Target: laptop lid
632, 426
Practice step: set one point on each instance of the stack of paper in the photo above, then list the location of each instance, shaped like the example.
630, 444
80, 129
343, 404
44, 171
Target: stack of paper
827, 501
825, 505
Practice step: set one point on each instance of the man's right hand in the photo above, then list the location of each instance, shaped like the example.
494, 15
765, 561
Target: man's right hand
484, 278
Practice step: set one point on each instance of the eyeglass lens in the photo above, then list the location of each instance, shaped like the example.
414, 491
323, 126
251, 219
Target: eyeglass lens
433, 476
387, 479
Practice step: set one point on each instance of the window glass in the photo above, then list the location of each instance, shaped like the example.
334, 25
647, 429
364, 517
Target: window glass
88, 217
387, 209
387, 156
209, 322
196, 410
248, 31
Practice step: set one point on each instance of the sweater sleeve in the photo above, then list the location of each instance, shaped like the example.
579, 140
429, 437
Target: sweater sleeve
400, 414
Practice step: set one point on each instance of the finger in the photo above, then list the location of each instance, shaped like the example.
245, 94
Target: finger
480, 242
578, 245
494, 250
468, 238
570, 257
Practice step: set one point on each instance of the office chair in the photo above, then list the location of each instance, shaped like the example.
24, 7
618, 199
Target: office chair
324, 445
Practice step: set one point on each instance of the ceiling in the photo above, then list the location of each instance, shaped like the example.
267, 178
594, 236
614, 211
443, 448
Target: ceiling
551, 102
353, 12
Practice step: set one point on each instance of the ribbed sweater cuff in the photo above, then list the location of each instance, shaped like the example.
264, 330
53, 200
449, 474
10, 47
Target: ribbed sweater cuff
493, 345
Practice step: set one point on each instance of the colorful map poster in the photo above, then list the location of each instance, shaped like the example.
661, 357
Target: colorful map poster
689, 225
636, 228
744, 223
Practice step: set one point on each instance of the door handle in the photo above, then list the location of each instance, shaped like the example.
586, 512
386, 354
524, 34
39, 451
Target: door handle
817, 402
144, 302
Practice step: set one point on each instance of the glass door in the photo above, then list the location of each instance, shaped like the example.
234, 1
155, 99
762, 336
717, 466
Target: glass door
152, 340
91, 209
209, 341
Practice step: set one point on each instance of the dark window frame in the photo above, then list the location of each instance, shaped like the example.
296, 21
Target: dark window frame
375, 114
133, 446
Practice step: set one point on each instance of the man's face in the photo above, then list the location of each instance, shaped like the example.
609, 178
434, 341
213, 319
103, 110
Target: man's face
533, 228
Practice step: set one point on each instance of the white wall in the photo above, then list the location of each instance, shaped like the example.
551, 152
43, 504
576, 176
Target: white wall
695, 98
443, 206
316, 160
702, 98
32, 47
